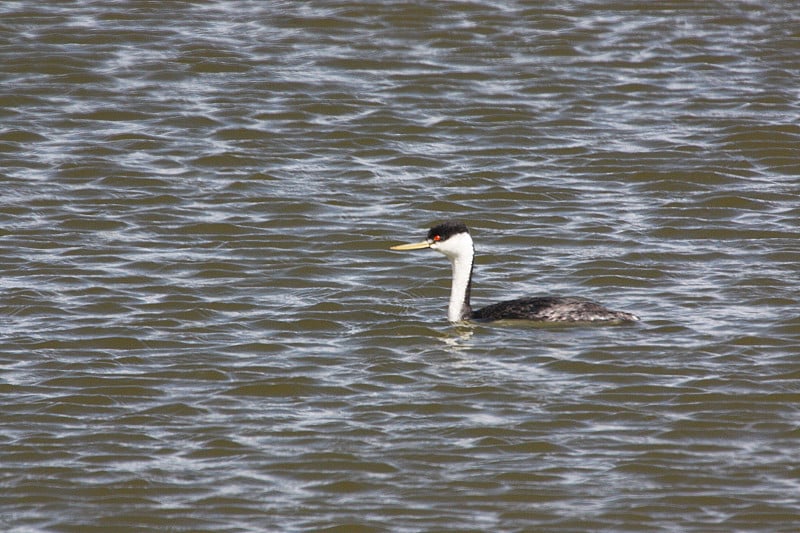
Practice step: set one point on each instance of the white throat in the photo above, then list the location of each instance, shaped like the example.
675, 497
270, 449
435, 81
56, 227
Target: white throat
459, 250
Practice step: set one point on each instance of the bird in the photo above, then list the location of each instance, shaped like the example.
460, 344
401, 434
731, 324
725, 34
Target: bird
452, 238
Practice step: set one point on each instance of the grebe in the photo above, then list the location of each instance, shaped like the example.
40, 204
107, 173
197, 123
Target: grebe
454, 241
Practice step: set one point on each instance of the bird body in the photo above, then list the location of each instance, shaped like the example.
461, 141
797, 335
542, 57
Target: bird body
454, 241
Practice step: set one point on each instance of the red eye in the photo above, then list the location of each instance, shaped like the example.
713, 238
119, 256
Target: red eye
437, 238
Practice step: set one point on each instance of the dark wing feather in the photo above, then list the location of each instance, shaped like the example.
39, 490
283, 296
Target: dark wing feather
550, 309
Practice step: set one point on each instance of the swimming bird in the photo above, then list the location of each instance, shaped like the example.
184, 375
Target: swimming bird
454, 241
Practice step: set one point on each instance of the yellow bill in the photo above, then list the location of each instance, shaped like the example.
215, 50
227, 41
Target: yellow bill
411, 246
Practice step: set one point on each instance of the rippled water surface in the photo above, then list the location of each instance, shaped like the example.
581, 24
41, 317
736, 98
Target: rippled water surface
203, 328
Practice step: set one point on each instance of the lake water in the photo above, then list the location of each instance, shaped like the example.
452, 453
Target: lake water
202, 327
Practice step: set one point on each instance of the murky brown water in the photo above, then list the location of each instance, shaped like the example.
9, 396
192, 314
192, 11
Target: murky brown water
203, 330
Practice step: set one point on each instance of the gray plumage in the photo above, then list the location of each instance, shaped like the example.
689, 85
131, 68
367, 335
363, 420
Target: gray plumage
550, 309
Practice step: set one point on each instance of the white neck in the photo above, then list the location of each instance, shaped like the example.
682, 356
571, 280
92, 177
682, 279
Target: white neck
459, 250
459, 301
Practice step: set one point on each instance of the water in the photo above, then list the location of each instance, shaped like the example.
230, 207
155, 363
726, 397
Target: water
203, 329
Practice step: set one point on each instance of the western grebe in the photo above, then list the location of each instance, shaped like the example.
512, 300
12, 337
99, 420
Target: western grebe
454, 241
